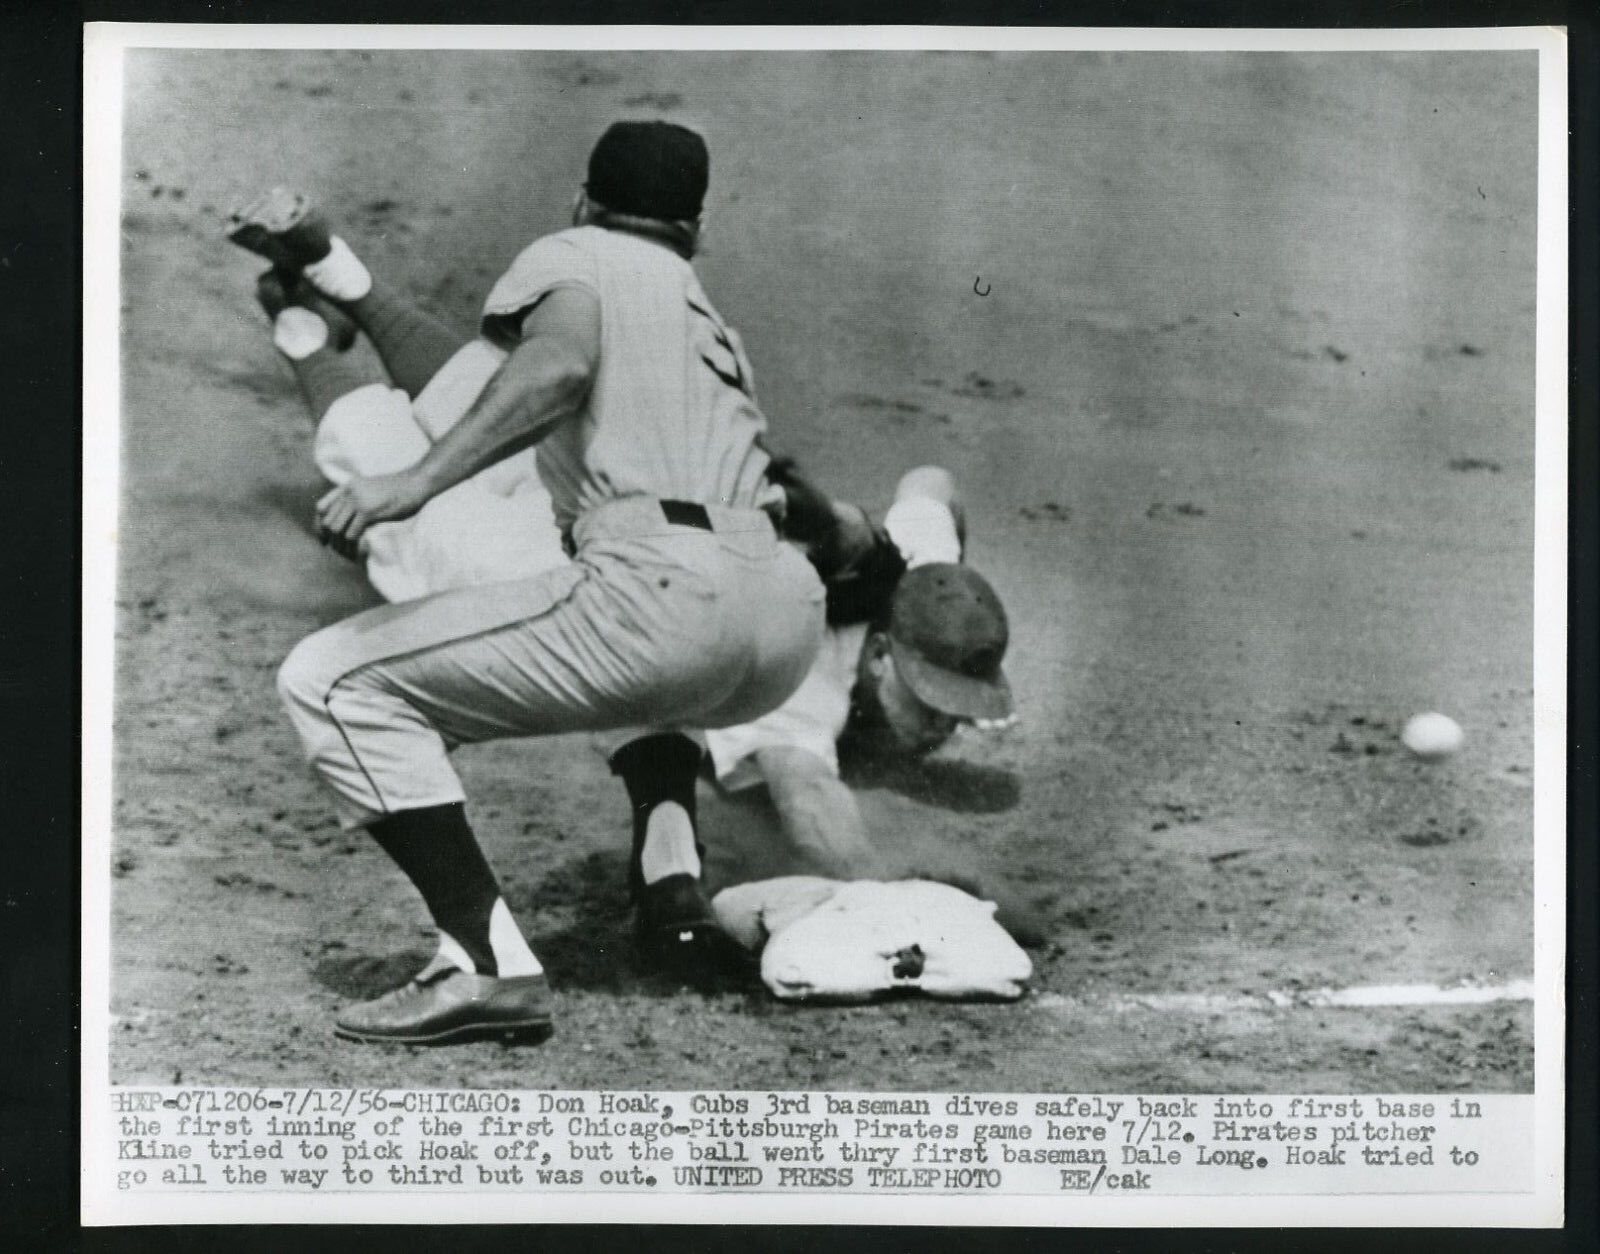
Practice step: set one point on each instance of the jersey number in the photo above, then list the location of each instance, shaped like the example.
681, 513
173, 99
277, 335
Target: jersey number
729, 370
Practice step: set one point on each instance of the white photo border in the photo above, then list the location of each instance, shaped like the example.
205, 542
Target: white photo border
105, 45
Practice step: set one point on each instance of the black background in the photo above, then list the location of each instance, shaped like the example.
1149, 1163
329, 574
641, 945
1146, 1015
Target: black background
40, 692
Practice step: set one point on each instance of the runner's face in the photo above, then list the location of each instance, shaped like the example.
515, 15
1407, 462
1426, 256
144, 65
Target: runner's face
917, 728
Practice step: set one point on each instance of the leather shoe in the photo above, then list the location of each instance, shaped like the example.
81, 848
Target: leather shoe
446, 1006
676, 931
284, 227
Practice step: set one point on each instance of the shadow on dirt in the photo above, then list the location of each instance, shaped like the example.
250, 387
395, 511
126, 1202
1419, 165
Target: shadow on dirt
293, 503
964, 787
744, 840
593, 951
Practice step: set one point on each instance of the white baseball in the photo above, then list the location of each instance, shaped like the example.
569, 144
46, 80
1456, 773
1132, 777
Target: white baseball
1432, 735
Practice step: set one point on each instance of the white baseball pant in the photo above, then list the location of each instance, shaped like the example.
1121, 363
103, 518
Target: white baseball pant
496, 526
654, 623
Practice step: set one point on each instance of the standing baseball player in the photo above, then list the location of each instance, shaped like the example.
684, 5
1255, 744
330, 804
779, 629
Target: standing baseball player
681, 608
497, 526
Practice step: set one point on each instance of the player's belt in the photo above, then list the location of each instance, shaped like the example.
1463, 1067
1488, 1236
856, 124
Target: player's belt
686, 514
644, 515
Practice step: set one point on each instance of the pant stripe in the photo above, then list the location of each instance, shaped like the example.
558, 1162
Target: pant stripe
327, 704
479, 633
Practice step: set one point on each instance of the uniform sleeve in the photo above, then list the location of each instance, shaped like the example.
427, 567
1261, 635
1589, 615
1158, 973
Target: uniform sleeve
545, 265
812, 719
924, 530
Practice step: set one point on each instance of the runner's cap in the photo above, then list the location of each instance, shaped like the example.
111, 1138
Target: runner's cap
947, 636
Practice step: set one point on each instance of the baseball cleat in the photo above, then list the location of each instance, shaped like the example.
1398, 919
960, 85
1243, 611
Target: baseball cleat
277, 289
676, 932
449, 1006
284, 227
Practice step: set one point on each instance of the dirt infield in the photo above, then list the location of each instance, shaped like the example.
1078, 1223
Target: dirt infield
1233, 358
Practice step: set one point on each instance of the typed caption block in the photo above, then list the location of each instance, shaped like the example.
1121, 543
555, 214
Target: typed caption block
468, 1141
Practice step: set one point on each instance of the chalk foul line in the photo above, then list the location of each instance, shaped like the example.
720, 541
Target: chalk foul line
1359, 996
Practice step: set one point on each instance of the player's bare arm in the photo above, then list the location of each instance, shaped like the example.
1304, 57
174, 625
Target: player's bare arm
543, 382
819, 814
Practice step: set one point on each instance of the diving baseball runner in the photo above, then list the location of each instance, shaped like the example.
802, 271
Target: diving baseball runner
682, 607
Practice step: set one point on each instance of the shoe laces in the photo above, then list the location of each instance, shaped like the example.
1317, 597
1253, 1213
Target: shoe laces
415, 988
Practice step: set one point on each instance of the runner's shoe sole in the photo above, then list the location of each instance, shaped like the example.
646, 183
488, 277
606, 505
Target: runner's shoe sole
284, 227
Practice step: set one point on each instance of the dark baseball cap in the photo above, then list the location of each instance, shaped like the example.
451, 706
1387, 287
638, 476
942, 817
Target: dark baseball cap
947, 636
652, 169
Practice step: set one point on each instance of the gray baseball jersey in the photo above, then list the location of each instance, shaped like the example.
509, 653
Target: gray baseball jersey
672, 410
669, 616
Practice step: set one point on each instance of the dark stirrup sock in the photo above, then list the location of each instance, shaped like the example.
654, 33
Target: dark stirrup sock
436, 849
656, 769
412, 342
327, 376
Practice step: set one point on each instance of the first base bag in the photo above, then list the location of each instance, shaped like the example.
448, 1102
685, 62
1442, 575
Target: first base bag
825, 940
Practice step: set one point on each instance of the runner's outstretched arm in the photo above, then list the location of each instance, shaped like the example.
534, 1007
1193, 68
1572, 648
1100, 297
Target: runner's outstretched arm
819, 814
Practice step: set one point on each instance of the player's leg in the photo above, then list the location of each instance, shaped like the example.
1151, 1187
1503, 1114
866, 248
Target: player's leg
497, 526
673, 922
366, 426
440, 370
650, 632
290, 232
413, 343
312, 337
675, 925
483, 980
379, 701
388, 768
